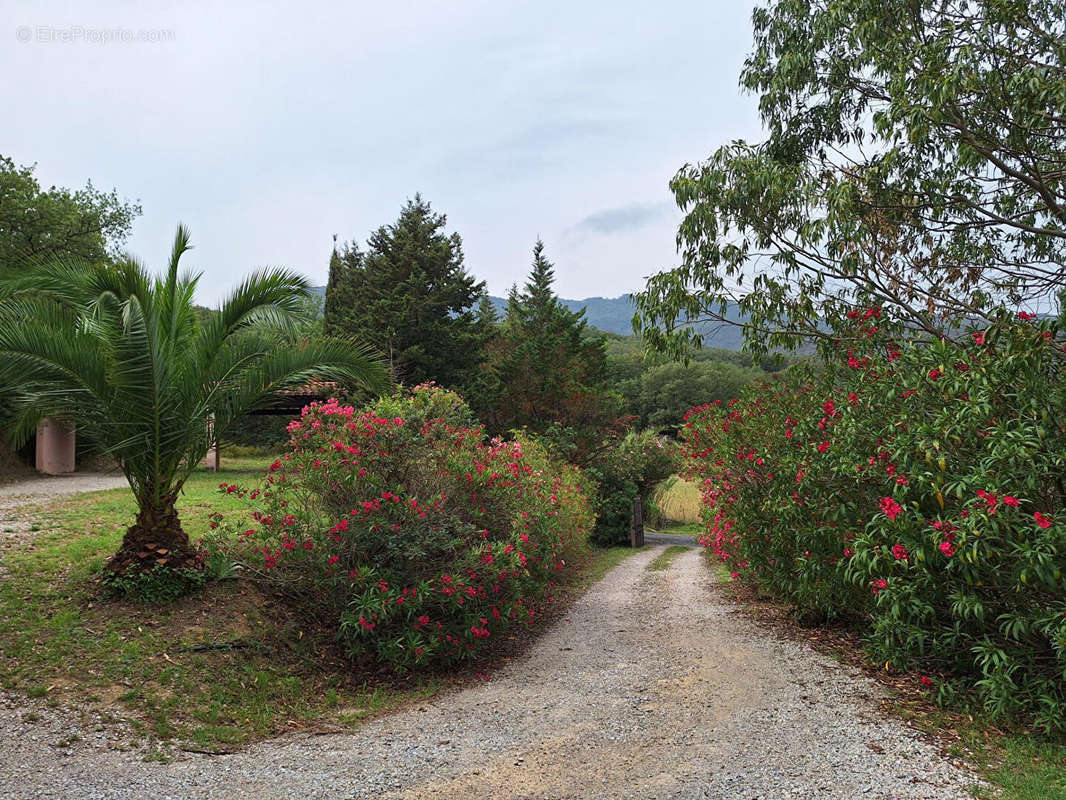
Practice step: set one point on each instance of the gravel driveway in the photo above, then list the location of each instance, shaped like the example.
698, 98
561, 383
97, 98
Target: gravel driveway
655, 686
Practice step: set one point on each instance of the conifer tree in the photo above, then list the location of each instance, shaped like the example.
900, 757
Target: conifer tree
340, 292
550, 366
410, 293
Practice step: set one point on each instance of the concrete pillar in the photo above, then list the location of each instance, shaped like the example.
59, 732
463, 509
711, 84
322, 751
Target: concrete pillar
55, 447
213, 459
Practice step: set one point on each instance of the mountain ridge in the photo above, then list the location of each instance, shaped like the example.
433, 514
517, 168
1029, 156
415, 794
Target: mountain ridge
615, 315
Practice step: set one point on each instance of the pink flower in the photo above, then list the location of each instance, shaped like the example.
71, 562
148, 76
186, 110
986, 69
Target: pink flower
978, 337
890, 508
947, 548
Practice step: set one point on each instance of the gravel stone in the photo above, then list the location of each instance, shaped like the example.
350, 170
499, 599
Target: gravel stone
654, 686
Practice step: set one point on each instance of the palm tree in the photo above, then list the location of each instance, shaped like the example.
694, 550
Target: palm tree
125, 357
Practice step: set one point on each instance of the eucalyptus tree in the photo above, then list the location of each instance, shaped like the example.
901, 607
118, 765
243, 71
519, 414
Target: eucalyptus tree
915, 158
146, 379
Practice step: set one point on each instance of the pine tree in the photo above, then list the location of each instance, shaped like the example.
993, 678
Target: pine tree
340, 288
410, 293
549, 366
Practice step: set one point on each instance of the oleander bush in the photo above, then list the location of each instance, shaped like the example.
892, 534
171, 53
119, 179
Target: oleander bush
405, 528
916, 489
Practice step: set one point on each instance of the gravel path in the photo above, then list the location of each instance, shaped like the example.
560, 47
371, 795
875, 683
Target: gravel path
655, 686
19, 501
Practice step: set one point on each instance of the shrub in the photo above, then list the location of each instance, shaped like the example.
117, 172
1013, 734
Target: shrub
917, 488
628, 469
407, 530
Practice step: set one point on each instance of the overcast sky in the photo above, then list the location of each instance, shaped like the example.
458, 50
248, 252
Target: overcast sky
268, 131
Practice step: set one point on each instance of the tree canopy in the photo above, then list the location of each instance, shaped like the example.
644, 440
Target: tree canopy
38, 224
550, 367
916, 158
410, 293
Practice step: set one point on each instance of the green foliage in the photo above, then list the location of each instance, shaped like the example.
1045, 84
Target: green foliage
38, 225
628, 469
549, 370
156, 586
916, 487
405, 529
127, 358
410, 293
658, 391
914, 160
669, 390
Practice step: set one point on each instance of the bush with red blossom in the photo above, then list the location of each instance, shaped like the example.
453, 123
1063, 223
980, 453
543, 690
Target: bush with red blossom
913, 488
403, 526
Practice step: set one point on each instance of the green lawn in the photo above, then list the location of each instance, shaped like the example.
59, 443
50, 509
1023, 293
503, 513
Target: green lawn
62, 637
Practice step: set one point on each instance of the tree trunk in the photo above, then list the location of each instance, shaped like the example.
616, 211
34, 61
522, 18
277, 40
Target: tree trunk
156, 539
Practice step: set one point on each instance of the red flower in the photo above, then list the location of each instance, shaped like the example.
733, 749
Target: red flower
899, 552
947, 548
1042, 521
1010, 500
1025, 316
823, 447
927, 681
890, 508
978, 337
934, 374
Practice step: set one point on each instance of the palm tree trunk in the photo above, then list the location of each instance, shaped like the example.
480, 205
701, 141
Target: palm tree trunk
156, 539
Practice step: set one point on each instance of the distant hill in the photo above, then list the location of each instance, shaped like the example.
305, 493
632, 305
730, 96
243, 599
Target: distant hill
615, 315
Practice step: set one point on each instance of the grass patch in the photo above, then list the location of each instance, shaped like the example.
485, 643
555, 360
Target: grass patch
666, 557
62, 636
1028, 770
682, 529
678, 500
1018, 766
599, 562
216, 669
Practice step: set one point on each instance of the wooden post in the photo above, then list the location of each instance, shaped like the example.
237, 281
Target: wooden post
636, 529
